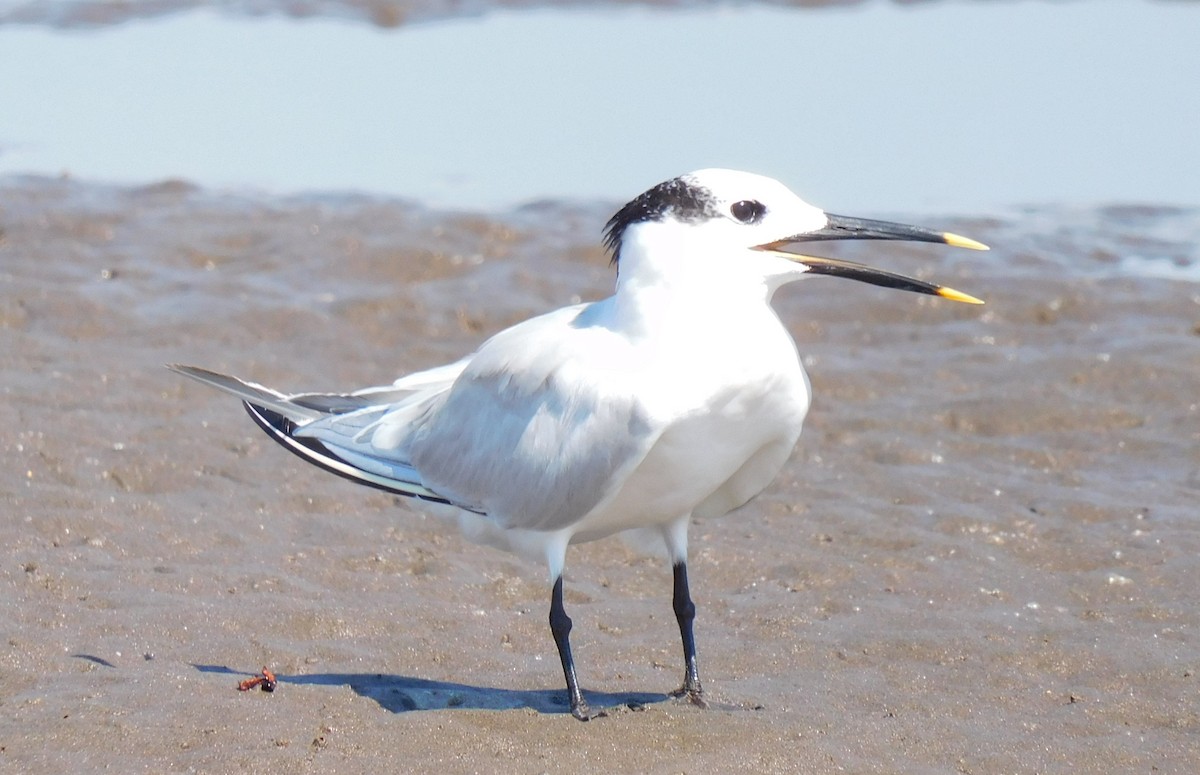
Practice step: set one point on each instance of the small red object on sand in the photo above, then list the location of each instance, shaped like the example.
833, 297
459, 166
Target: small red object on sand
266, 681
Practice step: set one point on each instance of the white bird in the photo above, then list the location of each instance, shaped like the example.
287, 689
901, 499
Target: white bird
679, 396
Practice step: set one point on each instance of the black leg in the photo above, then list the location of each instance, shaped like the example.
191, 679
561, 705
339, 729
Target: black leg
560, 626
685, 614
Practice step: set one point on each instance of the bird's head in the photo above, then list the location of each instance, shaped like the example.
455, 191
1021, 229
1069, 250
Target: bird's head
732, 224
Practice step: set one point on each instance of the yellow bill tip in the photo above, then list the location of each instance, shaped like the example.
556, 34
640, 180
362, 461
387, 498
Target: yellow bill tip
960, 241
953, 295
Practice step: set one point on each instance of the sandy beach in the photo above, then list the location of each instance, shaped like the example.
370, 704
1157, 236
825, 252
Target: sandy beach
981, 557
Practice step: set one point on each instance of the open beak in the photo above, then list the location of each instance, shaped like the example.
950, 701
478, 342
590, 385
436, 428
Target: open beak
845, 227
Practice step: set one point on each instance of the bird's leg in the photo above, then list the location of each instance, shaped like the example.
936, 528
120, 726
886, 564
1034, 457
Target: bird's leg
685, 614
560, 626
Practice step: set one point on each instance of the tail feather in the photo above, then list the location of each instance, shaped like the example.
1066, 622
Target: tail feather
283, 417
250, 393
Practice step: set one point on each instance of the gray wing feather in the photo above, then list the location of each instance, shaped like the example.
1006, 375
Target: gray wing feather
536, 461
527, 432
518, 431
334, 419
250, 392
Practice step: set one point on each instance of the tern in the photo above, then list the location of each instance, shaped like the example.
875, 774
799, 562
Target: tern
680, 396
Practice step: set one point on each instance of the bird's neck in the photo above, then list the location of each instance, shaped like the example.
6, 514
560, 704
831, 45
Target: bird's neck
690, 275
660, 298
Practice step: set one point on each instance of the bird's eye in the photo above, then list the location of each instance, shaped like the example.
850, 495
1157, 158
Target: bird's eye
748, 211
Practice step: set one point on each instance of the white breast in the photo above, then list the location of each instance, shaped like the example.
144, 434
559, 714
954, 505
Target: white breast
731, 405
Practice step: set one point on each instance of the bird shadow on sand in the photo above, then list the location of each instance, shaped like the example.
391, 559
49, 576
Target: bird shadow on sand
401, 694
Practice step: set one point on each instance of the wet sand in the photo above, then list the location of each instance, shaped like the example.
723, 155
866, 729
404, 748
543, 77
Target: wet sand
981, 558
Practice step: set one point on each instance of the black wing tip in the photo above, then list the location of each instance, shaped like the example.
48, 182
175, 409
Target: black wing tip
281, 430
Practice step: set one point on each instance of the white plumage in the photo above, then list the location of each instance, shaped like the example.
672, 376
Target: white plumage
681, 395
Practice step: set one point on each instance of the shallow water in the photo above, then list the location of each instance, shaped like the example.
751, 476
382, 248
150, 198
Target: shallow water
931, 108
981, 557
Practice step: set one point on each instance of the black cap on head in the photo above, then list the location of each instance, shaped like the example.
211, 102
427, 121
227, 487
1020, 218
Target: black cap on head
681, 197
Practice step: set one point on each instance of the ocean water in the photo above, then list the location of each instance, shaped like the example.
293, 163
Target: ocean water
935, 107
